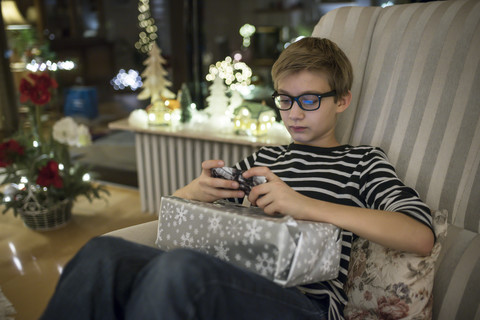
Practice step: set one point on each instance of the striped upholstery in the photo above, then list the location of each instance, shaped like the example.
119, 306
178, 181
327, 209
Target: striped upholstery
351, 28
456, 288
421, 102
417, 96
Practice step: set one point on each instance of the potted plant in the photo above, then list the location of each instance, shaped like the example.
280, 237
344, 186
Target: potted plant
40, 181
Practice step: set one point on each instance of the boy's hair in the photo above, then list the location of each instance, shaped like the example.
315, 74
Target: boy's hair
316, 54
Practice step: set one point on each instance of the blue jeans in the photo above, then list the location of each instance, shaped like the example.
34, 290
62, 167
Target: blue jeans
111, 278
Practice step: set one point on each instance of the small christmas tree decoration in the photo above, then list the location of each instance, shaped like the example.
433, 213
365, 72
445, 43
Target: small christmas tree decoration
156, 83
217, 109
185, 104
155, 88
217, 100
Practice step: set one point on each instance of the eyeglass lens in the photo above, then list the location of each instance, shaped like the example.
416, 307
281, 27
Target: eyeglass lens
308, 101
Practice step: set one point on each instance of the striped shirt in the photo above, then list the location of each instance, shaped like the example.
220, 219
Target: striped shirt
356, 176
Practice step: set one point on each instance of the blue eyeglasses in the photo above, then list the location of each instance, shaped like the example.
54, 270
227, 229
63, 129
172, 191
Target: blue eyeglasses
307, 101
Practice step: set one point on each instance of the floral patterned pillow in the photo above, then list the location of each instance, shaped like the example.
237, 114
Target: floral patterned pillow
389, 284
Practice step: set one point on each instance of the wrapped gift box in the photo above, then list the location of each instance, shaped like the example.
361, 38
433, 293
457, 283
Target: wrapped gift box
287, 251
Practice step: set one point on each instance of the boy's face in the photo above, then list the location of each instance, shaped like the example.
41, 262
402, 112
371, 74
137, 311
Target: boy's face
315, 128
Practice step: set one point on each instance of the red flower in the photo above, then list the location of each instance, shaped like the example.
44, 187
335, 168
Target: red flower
26, 86
49, 176
8, 150
40, 96
43, 81
36, 87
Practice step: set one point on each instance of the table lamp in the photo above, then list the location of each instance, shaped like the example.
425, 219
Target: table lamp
12, 18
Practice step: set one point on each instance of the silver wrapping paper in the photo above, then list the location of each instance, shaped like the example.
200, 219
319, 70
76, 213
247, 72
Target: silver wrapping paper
288, 251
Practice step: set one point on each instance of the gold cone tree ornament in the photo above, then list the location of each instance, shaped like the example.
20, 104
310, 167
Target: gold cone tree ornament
155, 87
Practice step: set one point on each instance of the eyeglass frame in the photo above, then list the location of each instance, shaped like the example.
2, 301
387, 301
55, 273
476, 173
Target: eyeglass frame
297, 99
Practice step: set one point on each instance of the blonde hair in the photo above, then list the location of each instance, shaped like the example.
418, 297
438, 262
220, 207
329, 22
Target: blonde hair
318, 55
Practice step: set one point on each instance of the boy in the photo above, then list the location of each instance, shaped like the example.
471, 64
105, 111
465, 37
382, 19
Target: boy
314, 178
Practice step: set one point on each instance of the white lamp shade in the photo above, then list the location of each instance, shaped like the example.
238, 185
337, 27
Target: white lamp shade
11, 15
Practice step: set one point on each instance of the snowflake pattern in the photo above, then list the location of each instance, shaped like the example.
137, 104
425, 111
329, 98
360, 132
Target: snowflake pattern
234, 227
253, 231
181, 215
203, 244
265, 264
221, 251
159, 234
167, 211
214, 223
284, 250
186, 240
314, 253
326, 265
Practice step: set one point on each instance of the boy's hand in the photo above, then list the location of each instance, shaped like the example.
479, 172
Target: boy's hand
275, 196
208, 189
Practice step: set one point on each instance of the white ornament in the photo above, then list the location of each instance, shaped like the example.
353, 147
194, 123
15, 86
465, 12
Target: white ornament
138, 118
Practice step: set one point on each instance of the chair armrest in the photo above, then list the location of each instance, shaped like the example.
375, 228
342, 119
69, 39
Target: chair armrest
144, 233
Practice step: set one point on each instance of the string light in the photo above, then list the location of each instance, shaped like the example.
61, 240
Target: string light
130, 79
247, 31
35, 66
236, 74
147, 23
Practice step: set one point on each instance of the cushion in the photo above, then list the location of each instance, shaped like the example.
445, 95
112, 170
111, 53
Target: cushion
389, 284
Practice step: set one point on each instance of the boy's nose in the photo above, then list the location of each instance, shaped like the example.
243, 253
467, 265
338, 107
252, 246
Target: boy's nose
296, 112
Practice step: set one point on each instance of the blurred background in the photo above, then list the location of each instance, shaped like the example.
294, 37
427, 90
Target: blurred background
97, 49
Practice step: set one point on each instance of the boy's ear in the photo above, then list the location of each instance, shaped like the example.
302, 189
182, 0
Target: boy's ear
344, 102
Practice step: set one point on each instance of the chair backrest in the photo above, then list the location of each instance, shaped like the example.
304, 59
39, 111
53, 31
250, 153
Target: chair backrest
417, 76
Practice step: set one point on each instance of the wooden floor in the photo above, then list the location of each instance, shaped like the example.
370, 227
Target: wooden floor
31, 261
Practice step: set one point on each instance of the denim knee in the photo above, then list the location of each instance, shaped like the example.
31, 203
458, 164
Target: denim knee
188, 263
190, 268
99, 248
169, 285
100, 244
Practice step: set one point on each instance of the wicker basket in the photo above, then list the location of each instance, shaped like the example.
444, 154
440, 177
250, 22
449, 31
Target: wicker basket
50, 218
